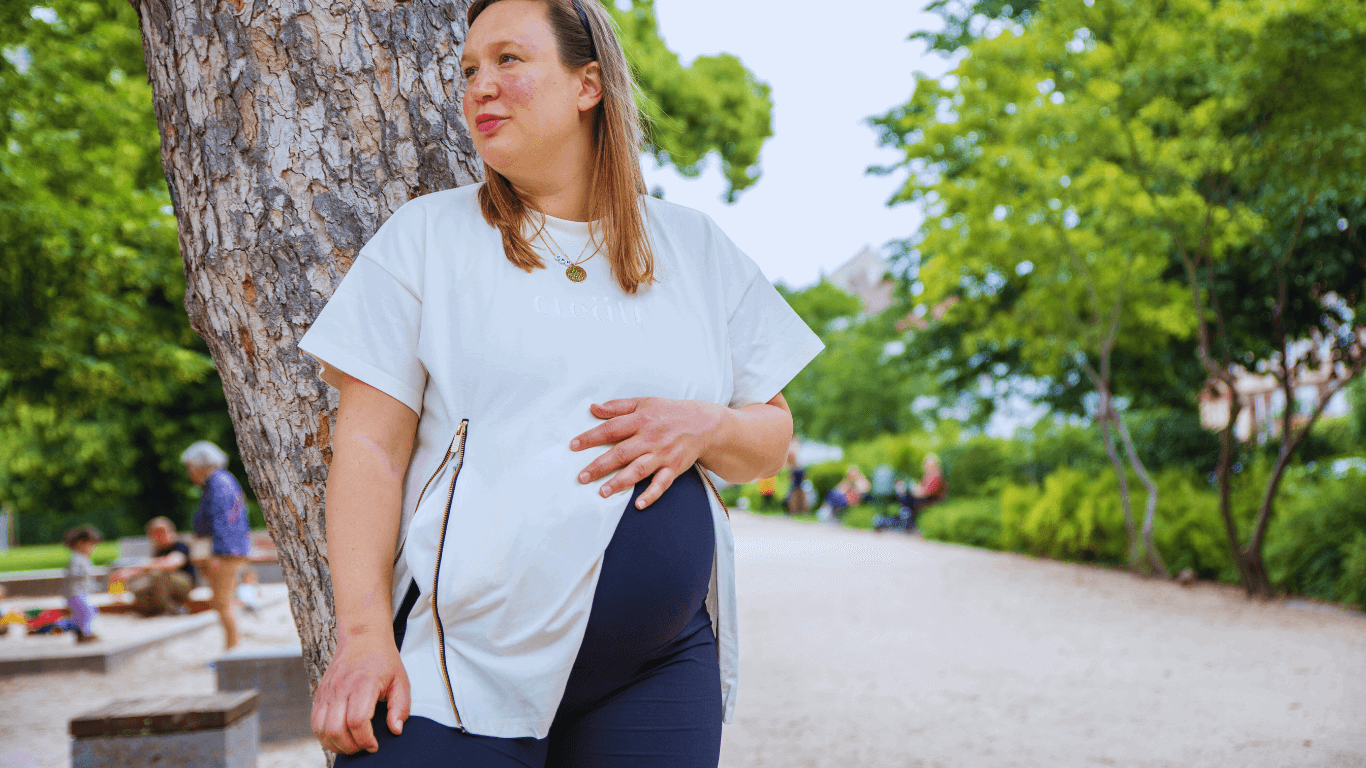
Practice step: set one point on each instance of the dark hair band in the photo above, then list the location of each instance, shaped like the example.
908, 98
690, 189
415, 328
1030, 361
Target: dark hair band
583, 18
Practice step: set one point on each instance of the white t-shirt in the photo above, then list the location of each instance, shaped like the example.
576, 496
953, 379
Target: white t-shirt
433, 314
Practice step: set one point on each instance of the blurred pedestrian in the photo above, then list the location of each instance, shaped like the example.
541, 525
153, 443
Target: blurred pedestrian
849, 492
163, 585
768, 488
796, 501
80, 579
222, 515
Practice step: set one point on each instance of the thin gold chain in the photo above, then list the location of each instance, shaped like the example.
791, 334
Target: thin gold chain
554, 245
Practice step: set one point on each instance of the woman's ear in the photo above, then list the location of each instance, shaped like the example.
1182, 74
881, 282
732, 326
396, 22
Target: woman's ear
590, 86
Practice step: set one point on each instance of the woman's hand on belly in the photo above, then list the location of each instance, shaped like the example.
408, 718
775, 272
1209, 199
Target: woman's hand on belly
653, 436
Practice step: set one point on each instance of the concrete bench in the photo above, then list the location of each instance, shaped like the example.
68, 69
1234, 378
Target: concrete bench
280, 678
217, 730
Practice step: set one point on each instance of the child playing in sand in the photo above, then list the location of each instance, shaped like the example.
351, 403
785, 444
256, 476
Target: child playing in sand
80, 579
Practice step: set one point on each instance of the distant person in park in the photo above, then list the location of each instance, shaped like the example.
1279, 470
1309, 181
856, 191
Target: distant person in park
80, 579
222, 515
163, 585
931, 488
847, 493
796, 501
529, 566
768, 488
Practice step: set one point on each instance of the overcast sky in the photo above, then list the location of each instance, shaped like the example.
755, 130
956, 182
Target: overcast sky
831, 66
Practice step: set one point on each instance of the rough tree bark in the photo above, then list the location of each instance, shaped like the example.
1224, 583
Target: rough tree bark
289, 133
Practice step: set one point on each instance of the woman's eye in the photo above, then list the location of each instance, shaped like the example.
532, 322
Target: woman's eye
468, 72
505, 58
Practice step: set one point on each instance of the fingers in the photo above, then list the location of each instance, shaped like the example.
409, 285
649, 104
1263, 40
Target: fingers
327, 721
613, 408
342, 712
400, 701
644, 466
614, 430
664, 477
360, 709
620, 455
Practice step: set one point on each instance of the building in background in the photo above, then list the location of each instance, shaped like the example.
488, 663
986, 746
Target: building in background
866, 276
1262, 400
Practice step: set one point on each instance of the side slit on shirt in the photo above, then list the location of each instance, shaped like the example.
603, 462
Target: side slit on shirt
405, 608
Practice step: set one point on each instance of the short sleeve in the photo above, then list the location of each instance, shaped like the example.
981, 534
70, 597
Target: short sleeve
369, 330
769, 342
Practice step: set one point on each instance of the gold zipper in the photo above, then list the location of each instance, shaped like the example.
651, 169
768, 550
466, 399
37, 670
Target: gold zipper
436, 572
450, 451
703, 472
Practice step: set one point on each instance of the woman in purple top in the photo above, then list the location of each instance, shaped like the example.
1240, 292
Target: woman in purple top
222, 515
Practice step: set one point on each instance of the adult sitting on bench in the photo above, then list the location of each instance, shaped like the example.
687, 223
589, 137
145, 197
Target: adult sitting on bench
163, 585
930, 490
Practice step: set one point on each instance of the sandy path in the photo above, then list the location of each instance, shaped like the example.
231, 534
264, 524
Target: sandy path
867, 650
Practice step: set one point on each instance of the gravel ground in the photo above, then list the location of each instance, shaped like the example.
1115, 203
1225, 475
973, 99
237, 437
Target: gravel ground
885, 650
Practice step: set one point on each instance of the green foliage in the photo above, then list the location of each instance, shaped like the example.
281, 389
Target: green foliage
963, 21
714, 105
1356, 395
1317, 545
102, 381
979, 466
905, 454
859, 387
820, 305
45, 556
975, 522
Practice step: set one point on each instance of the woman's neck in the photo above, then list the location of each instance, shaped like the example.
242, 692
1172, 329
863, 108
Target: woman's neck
559, 186
567, 197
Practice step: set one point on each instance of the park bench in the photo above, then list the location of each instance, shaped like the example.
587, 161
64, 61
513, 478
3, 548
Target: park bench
218, 730
280, 678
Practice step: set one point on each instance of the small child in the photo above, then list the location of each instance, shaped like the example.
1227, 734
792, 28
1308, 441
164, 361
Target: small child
80, 579
248, 593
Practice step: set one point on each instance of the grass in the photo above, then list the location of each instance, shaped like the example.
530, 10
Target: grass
40, 556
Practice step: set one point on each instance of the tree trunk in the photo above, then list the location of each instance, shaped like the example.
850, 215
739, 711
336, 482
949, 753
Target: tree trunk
289, 133
1107, 418
1155, 560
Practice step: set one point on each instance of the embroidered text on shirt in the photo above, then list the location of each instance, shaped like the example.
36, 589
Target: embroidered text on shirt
601, 310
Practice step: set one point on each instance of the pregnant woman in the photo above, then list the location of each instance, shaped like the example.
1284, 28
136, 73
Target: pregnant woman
530, 566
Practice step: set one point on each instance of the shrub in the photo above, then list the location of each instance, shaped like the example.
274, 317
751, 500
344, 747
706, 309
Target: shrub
1188, 531
1317, 544
905, 454
979, 466
975, 522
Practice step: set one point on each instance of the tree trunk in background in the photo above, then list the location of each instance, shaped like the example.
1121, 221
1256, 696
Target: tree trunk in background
289, 134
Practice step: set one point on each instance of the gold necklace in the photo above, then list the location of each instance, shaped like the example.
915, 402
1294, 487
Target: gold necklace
572, 269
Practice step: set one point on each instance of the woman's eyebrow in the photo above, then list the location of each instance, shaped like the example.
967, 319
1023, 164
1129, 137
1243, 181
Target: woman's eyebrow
495, 46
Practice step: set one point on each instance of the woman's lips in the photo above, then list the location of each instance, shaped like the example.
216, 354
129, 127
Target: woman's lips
486, 123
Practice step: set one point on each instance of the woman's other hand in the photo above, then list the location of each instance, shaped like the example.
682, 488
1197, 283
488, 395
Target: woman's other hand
365, 669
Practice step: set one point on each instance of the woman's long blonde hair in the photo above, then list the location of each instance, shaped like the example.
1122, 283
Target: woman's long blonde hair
616, 182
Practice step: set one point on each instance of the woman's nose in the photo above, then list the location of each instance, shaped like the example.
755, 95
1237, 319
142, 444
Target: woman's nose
481, 87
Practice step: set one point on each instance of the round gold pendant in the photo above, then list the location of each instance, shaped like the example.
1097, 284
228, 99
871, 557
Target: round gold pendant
575, 273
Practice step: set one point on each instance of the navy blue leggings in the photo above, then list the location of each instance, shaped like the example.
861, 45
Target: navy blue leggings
645, 690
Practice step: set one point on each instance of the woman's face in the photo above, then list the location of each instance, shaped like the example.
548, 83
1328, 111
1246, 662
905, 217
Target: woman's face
526, 111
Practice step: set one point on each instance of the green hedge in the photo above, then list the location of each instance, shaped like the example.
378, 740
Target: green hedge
976, 522
39, 556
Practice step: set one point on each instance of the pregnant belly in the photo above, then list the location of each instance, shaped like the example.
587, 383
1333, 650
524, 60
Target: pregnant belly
655, 575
